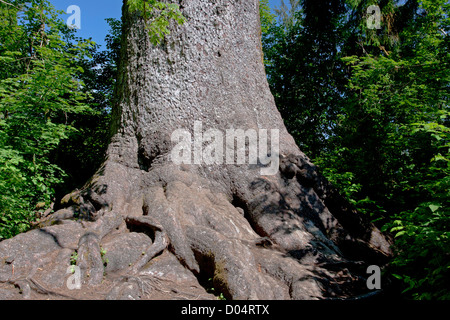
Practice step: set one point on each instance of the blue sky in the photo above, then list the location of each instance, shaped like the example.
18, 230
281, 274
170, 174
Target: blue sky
94, 13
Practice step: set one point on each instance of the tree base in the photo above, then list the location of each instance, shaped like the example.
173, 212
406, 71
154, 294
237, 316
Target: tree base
182, 232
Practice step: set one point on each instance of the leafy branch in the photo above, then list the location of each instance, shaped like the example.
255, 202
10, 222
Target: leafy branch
157, 16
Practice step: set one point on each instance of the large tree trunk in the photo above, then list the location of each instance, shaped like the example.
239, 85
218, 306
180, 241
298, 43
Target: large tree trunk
167, 228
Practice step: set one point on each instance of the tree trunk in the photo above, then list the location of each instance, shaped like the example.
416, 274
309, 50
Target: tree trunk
147, 226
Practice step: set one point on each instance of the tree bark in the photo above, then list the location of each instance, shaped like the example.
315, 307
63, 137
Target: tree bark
250, 236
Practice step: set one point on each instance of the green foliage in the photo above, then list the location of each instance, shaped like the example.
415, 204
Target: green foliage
83, 151
372, 108
56, 93
400, 109
157, 16
212, 290
266, 17
39, 92
423, 233
287, 14
304, 69
393, 136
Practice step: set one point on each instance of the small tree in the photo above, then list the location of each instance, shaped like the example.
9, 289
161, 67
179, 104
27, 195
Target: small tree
39, 92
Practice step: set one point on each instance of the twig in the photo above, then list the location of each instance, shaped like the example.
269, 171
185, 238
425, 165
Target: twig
9, 4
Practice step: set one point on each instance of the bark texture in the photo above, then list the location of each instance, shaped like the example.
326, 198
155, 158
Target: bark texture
144, 227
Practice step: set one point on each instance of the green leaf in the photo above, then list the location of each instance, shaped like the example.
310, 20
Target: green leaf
399, 234
434, 207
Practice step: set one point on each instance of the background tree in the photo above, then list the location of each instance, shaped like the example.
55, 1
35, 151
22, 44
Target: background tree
39, 93
385, 136
400, 110
304, 69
